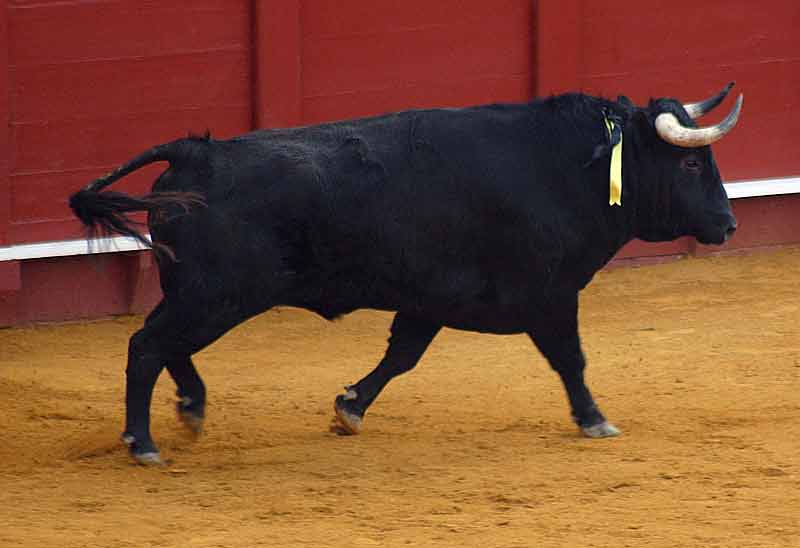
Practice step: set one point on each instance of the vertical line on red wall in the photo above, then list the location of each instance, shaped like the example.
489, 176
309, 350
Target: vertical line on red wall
5, 129
580, 60
277, 78
253, 63
558, 46
534, 49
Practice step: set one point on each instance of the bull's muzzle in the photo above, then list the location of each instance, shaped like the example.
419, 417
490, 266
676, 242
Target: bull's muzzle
732, 226
716, 229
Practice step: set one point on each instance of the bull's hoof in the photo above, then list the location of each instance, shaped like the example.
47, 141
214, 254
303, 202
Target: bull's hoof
147, 456
602, 430
348, 421
192, 422
148, 459
191, 414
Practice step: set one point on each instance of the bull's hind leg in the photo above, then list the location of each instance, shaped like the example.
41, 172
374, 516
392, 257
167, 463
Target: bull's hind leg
409, 338
556, 336
191, 392
171, 334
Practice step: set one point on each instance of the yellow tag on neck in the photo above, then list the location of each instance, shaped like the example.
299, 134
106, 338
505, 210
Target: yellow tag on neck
615, 173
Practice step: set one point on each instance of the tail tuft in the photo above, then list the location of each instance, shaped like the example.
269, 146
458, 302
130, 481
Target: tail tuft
107, 212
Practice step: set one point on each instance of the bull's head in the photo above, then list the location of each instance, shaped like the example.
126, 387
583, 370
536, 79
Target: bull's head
680, 189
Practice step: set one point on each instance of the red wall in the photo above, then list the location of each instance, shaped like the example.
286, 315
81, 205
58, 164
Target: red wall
93, 83
357, 58
5, 107
361, 58
86, 85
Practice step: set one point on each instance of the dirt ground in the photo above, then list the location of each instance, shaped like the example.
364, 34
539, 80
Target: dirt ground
697, 361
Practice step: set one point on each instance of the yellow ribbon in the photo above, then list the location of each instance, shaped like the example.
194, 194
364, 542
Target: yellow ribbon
615, 173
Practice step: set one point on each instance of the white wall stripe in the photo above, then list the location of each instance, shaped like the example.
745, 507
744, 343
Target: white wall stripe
66, 248
116, 244
763, 187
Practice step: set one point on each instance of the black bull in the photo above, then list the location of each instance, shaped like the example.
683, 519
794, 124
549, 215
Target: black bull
489, 219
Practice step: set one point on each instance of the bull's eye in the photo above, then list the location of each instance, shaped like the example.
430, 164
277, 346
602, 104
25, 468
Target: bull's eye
692, 164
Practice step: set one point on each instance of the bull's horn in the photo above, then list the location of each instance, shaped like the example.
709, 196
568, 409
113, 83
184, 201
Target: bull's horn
670, 129
696, 110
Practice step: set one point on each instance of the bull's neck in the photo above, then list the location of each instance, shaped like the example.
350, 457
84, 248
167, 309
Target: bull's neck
615, 224
614, 227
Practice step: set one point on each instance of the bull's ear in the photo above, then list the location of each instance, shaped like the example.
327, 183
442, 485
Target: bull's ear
626, 103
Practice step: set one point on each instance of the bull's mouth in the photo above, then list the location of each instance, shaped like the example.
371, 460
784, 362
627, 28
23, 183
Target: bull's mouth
718, 236
712, 241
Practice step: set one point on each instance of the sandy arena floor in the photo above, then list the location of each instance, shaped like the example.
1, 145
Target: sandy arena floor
698, 362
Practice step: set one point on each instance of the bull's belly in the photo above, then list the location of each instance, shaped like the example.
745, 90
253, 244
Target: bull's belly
494, 324
478, 317
463, 307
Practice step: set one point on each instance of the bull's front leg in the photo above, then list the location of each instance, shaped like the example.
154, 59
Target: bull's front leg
410, 336
555, 334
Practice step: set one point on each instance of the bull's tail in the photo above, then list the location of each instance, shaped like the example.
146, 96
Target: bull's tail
107, 212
